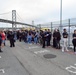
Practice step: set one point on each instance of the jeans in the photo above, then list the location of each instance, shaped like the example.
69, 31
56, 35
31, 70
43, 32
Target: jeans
29, 38
35, 40
65, 42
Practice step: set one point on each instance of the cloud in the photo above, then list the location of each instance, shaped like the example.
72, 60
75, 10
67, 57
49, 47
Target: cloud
38, 10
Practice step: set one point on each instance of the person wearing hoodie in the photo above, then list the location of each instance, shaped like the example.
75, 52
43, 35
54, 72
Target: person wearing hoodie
0, 42
74, 41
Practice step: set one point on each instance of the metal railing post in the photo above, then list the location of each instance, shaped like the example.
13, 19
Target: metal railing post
51, 28
69, 33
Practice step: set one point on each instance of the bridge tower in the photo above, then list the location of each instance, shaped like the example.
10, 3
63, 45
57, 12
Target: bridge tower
14, 19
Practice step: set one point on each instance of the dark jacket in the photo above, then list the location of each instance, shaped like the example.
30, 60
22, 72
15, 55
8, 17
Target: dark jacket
58, 35
0, 39
11, 36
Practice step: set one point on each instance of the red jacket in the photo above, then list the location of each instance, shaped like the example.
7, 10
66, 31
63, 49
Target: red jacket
3, 36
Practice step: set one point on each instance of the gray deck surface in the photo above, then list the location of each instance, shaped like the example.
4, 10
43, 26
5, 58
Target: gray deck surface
32, 59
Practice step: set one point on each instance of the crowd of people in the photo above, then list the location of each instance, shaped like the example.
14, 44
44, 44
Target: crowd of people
42, 37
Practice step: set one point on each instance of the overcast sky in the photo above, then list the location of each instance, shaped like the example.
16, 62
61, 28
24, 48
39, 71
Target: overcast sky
41, 11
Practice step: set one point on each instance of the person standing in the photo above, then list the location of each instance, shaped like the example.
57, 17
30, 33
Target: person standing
49, 34
54, 38
65, 40
0, 42
29, 38
20, 36
11, 38
74, 40
43, 39
36, 37
40, 37
3, 38
58, 35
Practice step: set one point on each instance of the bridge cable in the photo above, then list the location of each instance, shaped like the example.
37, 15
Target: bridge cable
19, 17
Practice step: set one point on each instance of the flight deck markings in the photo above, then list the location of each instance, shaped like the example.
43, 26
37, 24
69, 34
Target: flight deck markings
71, 69
42, 51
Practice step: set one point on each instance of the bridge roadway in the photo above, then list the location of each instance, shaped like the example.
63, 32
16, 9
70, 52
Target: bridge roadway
31, 59
12, 22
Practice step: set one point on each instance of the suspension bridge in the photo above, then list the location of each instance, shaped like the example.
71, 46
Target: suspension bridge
14, 22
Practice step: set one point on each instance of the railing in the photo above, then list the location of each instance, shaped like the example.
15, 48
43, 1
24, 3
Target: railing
69, 24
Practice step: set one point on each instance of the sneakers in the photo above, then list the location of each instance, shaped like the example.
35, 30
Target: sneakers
1, 51
0, 56
62, 50
67, 50
75, 52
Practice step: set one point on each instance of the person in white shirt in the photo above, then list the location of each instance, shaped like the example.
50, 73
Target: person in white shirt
65, 40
